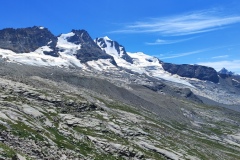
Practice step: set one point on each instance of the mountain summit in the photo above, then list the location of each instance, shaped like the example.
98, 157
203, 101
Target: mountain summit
88, 51
25, 40
38, 46
113, 48
225, 73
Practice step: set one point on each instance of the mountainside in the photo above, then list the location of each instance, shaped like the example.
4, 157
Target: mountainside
89, 50
25, 40
91, 99
33, 45
192, 71
81, 115
113, 48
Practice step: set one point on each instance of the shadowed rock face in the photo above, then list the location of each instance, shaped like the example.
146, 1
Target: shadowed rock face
224, 73
89, 49
119, 48
25, 40
192, 71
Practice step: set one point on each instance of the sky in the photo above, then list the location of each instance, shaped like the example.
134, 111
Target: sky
205, 32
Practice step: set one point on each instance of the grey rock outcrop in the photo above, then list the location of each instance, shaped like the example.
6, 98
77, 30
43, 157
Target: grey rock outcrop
224, 73
192, 71
25, 40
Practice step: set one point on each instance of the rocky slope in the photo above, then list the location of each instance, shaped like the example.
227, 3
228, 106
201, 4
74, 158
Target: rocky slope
63, 110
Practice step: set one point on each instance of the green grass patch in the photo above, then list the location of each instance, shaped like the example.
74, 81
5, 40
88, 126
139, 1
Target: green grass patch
60, 140
2, 127
179, 126
215, 131
7, 151
120, 106
195, 152
69, 143
10, 99
44, 92
216, 145
22, 130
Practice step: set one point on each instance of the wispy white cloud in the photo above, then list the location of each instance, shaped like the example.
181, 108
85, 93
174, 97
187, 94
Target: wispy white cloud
220, 57
163, 42
181, 54
230, 65
186, 24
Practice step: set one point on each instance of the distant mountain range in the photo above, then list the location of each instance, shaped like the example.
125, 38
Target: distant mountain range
35, 45
38, 46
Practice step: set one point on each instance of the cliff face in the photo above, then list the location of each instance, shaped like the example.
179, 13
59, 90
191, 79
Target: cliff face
116, 49
89, 49
192, 71
25, 40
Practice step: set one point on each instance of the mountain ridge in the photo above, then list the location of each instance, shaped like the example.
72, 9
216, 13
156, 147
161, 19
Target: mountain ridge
87, 52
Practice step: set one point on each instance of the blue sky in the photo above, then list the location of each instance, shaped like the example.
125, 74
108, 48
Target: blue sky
193, 32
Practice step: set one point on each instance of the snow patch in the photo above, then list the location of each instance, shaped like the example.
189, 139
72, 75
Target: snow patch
106, 38
101, 64
151, 66
38, 58
236, 80
68, 47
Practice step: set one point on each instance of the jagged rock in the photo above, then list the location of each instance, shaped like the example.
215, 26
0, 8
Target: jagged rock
224, 73
25, 40
2, 139
192, 71
89, 50
115, 46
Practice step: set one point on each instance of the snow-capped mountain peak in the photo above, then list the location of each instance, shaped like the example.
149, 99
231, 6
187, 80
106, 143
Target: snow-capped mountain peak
107, 38
78, 49
137, 62
225, 71
38, 46
113, 48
